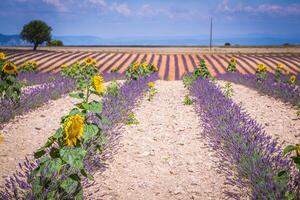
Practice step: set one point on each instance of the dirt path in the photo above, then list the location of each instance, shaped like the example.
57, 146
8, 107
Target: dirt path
163, 157
279, 119
26, 133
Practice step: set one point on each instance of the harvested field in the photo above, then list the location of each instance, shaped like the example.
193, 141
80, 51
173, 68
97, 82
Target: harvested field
172, 66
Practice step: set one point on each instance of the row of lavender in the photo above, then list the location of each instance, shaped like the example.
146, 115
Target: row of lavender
286, 92
45, 87
250, 159
115, 110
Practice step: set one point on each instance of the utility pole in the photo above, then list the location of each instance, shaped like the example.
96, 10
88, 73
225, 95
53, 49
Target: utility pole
211, 29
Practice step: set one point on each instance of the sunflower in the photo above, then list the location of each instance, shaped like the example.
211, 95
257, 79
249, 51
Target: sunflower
292, 79
288, 72
2, 56
9, 68
114, 69
136, 66
73, 128
154, 68
89, 61
98, 83
64, 66
151, 84
298, 149
232, 60
261, 68
279, 66
144, 65
203, 60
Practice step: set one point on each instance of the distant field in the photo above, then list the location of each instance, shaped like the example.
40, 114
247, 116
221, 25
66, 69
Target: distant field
172, 62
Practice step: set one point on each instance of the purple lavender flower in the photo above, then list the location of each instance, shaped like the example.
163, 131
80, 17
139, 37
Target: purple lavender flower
248, 157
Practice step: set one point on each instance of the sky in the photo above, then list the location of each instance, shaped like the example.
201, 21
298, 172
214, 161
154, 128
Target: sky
155, 18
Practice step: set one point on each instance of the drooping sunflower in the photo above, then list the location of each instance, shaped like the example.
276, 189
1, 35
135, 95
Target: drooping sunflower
2, 56
292, 79
89, 61
261, 68
9, 68
98, 83
151, 84
73, 129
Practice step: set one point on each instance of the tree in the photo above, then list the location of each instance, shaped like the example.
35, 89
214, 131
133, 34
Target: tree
55, 43
36, 32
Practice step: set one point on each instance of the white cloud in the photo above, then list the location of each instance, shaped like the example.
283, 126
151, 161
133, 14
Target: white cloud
122, 8
273, 9
57, 4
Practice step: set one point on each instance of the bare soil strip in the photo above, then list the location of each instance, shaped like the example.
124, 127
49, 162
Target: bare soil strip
163, 157
26, 133
279, 119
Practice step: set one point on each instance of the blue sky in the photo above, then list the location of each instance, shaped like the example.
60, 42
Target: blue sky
156, 18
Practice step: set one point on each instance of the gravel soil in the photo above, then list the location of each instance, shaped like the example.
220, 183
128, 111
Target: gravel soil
163, 157
278, 119
26, 133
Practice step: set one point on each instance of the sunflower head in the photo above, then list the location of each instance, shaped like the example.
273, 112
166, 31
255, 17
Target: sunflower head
89, 61
64, 66
151, 84
98, 83
144, 65
232, 60
292, 79
154, 68
288, 72
9, 68
136, 66
261, 68
73, 129
280, 66
114, 69
203, 60
2, 56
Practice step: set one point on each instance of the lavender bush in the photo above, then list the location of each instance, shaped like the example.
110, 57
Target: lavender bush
35, 78
33, 97
281, 90
250, 159
115, 111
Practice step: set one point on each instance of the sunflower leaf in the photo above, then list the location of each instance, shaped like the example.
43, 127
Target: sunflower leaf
90, 131
93, 106
73, 156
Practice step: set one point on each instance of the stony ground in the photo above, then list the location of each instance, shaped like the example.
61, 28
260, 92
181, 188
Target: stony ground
164, 156
278, 119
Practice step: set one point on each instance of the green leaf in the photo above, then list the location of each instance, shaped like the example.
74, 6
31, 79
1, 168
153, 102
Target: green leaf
73, 156
54, 152
69, 185
59, 133
94, 106
90, 131
79, 196
78, 95
74, 111
288, 149
87, 175
39, 153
